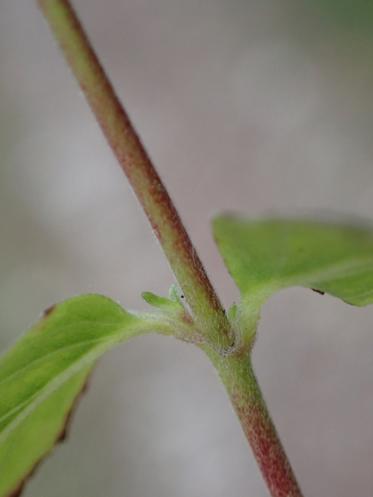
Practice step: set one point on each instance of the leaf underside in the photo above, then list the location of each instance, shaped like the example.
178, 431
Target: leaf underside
264, 256
42, 376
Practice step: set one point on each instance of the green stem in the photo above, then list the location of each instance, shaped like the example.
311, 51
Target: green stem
236, 372
242, 387
140, 171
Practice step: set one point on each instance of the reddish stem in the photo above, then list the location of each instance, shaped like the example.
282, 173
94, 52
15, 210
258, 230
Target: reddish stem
242, 387
236, 372
268, 450
139, 170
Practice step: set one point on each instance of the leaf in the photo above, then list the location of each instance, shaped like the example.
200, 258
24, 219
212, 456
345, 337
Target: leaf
44, 373
171, 305
162, 303
264, 256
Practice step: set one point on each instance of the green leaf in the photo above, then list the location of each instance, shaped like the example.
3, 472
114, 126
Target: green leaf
171, 305
44, 373
264, 256
162, 303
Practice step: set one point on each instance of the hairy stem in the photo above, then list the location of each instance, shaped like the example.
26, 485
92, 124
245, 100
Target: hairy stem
139, 170
236, 372
243, 389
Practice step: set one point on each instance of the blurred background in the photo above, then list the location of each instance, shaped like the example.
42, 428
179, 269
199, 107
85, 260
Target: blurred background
253, 106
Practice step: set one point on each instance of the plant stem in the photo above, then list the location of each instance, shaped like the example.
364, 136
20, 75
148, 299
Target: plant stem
243, 389
140, 171
236, 371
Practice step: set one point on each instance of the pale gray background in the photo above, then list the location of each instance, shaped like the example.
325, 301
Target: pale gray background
250, 105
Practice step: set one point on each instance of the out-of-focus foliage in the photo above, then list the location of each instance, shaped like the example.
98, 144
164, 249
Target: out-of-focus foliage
345, 14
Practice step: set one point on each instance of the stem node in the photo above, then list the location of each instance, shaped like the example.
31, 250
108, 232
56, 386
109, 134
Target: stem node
234, 368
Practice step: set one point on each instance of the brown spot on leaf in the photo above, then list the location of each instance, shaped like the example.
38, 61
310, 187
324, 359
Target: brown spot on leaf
18, 491
318, 291
61, 437
64, 433
48, 311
